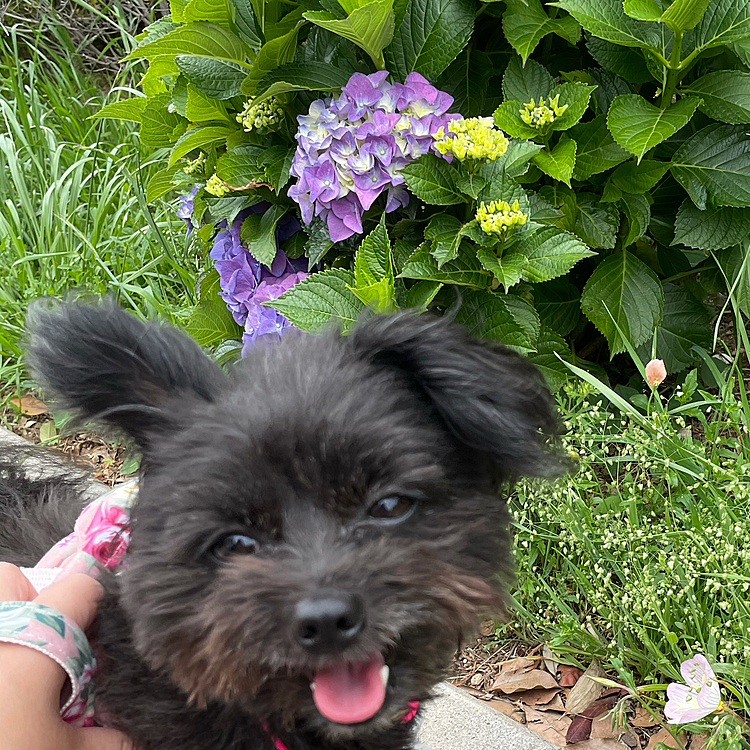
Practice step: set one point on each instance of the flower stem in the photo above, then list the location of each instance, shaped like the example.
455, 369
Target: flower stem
674, 72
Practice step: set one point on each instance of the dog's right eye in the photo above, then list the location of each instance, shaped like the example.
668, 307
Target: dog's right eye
234, 544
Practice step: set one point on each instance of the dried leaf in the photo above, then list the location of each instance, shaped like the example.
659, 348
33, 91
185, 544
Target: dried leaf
642, 718
31, 405
569, 675
503, 706
586, 690
549, 725
47, 431
542, 698
549, 660
698, 741
631, 739
597, 744
476, 680
664, 736
515, 683
517, 665
601, 728
579, 730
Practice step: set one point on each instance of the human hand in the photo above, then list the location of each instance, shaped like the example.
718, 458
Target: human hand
31, 682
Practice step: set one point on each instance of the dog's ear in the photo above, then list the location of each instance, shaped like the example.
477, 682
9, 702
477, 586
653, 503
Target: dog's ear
107, 365
493, 400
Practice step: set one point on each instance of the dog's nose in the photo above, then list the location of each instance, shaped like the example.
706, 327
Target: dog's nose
329, 621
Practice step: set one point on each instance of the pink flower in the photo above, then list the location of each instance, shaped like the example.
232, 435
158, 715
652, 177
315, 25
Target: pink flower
655, 372
700, 697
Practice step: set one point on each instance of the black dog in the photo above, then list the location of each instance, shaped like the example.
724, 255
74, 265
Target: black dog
329, 510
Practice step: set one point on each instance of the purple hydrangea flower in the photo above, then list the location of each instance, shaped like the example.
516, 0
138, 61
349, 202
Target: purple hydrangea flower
185, 209
246, 283
351, 150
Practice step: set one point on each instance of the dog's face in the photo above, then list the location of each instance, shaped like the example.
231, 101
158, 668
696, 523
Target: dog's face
314, 534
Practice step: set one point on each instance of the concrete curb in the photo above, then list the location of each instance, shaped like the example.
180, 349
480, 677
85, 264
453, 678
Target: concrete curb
453, 721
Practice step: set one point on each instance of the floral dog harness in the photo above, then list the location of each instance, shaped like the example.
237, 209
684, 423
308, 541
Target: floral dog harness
99, 539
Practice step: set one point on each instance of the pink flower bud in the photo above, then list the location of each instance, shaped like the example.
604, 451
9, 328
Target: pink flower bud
655, 372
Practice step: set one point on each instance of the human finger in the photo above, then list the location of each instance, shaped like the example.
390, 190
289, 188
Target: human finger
14, 586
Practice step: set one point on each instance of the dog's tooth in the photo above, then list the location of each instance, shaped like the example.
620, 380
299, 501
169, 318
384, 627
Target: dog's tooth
385, 672
312, 686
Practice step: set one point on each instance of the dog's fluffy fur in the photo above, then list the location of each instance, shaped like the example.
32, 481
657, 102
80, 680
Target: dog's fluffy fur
292, 449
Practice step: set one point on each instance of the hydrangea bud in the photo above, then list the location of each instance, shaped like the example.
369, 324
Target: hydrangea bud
499, 216
540, 116
216, 186
473, 138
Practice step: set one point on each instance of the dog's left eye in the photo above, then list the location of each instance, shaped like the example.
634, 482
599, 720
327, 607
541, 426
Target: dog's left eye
391, 508
234, 544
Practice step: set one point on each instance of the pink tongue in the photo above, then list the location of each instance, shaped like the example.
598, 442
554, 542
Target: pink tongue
350, 693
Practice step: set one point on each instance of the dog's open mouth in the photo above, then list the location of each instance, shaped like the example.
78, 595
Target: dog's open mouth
352, 692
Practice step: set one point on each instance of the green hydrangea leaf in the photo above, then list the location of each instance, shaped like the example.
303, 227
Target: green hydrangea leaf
219, 79
307, 76
597, 151
464, 270
487, 315
160, 127
626, 62
258, 233
682, 15
596, 223
127, 109
369, 26
559, 161
372, 262
202, 39
526, 23
467, 80
724, 22
643, 10
638, 125
558, 303
201, 108
637, 209
320, 299
550, 252
507, 269
548, 345
272, 54
419, 296
444, 231
711, 229
508, 118
623, 290
200, 138
607, 19
725, 95
576, 96
635, 178
211, 322
276, 162
433, 180
246, 22
686, 323
714, 166
430, 37
241, 165
526, 82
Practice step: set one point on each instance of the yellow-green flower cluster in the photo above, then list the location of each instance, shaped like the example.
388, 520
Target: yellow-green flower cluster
216, 186
541, 115
196, 165
266, 114
472, 138
499, 216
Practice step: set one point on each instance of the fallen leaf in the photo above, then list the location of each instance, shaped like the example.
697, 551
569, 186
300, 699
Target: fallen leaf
597, 744
503, 706
514, 666
476, 680
601, 728
664, 736
47, 431
642, 718
30, 405
586, 690
579, 730
569, 675
631, 739
515, 683
549, 660
556, 704
698, 741
541, 697
552, 727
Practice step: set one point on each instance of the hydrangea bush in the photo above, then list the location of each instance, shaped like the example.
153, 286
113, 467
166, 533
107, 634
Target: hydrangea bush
579, 170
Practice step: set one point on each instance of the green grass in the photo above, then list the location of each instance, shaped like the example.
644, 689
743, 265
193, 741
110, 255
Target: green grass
640, 557
72, 202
